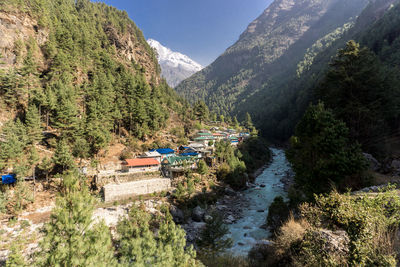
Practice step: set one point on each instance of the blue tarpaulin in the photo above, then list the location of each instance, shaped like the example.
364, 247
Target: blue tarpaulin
8, 179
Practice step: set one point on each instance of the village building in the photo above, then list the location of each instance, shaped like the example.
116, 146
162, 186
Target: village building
244, 135
205, 139
198, 147
140, 165
204, 134
219, 136
187, 151
234, 140
164, 152
152, 155
175, 166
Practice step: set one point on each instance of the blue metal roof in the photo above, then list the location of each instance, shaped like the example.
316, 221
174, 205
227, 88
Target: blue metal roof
164, 151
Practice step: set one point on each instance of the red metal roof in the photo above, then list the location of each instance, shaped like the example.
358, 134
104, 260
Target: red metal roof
138, 162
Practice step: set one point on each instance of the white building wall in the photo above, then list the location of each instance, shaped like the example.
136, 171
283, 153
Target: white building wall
113, 192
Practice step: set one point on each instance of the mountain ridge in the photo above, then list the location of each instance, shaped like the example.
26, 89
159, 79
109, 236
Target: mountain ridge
266, 54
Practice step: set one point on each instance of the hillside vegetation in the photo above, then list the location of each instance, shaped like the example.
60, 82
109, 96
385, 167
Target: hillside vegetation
78, 73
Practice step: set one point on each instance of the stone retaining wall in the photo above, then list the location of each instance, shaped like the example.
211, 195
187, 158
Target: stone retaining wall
122, 191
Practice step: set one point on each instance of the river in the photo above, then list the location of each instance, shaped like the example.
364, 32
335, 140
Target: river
246, 232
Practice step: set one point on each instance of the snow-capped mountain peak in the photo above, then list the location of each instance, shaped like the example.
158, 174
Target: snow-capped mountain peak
175, 66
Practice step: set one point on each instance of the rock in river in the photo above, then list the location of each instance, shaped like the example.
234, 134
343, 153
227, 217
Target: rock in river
197, 214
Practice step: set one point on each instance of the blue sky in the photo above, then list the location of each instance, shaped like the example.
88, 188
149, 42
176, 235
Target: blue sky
201, 29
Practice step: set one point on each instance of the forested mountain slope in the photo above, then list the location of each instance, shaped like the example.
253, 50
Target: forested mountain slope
80, 70
287, 104
267, 54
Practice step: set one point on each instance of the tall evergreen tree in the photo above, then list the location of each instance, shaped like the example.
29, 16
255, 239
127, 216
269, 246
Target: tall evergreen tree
13, 144
46, 166
138, 245
213, 238
71, 238
63, 159
33, 124
321, 152
362, 93
201, 111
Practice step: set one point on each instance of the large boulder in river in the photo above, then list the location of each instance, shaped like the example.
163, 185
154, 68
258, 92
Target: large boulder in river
374, 164
198, 214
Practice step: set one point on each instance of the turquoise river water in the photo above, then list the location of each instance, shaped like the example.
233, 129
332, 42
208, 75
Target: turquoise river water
246, 232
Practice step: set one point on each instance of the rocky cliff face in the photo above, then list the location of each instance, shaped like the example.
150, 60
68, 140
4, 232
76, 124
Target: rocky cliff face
175, 67
17, 28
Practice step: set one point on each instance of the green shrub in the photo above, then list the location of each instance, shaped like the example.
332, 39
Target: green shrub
202, 167
278, 213
370, 221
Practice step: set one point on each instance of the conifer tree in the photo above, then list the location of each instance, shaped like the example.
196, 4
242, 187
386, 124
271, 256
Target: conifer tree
10, 88
13, 144
33, 127
49, 103
46, 166
138, 245
29, 70
202, 167
201, 111
235, 122
63, 158
212, 238
321, 152
71, 238
363, 94
248, 123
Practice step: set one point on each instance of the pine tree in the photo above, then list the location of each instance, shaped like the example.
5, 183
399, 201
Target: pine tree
213, 238
321, 152
13, 144
10, 88
363, 94
248, 123
202, 167
71, 238
46, 166
63, 158
49, 104
235, 122
29, 70
138, 245
33, 127
201, 111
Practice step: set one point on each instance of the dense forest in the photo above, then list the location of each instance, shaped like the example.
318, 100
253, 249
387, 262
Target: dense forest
91, 77
375, 77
